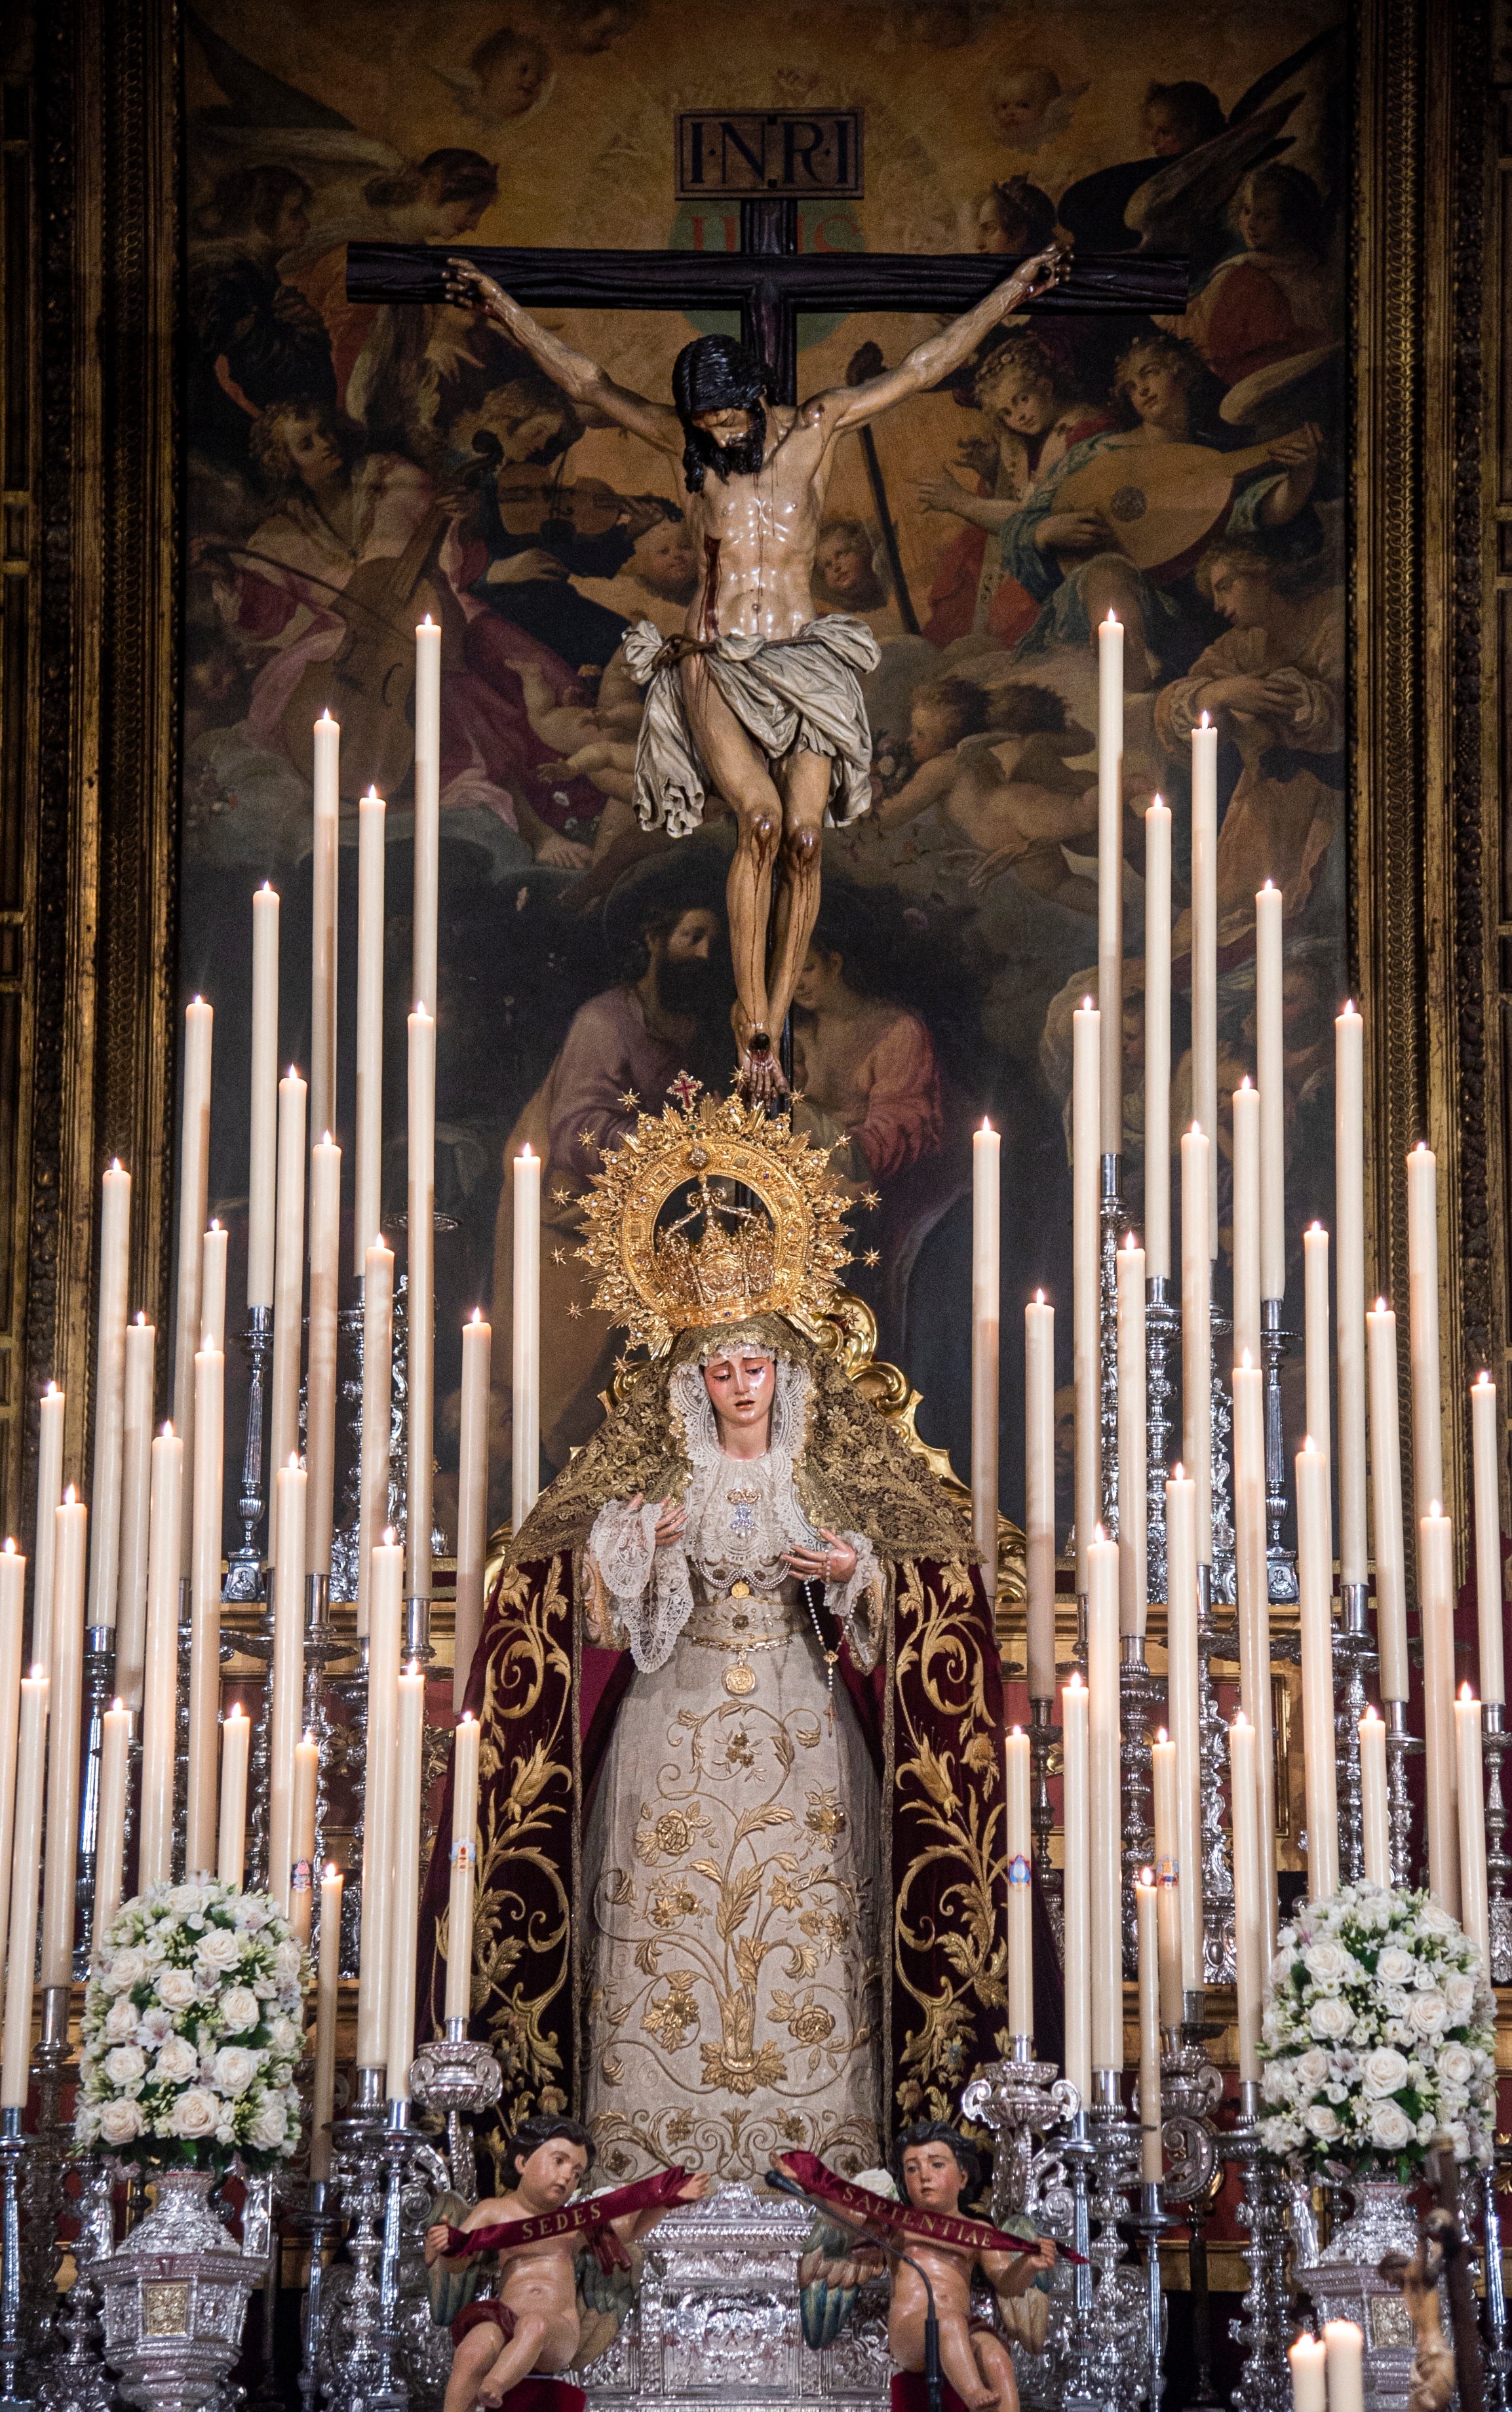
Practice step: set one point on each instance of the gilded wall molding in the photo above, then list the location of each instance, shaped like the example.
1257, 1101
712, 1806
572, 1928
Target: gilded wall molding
100, 812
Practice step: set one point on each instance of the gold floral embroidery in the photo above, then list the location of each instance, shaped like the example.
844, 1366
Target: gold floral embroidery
951, 1812
675, 2017
742, 1868
521, 1934
825, 1815
670, 1903
673, 1834
762, 2067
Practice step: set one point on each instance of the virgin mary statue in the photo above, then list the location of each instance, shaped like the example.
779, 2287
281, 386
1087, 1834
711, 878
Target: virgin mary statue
742, 1882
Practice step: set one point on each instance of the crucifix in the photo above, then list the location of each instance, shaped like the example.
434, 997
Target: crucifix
757, 700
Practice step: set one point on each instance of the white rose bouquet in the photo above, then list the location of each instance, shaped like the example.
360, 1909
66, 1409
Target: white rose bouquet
1379, 2033
193, 2026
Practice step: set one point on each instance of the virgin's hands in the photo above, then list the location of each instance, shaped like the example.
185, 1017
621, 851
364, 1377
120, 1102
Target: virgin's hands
671, 1522
835, 1563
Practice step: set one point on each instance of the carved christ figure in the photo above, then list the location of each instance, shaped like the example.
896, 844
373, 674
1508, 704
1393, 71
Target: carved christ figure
755, 699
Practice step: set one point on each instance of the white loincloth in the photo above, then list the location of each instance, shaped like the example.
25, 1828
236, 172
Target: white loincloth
801, 691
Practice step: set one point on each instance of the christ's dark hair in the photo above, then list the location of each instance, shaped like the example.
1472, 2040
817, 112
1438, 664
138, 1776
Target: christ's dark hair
938, 2131
538, 2129
715, 373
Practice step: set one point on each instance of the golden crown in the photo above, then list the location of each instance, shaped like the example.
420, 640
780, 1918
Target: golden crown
759, 1229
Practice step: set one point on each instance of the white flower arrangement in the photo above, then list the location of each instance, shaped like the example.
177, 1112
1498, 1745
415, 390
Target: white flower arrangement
1379, 2033
193, 2026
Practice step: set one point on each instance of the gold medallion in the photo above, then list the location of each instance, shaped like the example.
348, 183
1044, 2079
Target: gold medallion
740, 1591
741, 1681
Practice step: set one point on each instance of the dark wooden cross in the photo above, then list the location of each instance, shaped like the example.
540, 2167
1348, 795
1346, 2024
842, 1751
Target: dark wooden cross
771, 285
765, 280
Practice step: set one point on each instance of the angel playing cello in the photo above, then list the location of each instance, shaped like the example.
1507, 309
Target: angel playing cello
930, 2268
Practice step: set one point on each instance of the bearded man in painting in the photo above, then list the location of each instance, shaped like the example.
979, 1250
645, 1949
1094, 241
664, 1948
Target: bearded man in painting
755, 697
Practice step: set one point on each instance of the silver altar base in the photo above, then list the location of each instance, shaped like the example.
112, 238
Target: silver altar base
175, 2298
717, 2322
1345, 2284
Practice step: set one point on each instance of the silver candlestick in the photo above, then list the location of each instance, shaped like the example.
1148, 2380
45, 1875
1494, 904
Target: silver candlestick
351, 1324
1043, 1737
1020, 2099
1112, 1224
99, 1670
1264, 2325
1400, 1746
1163, 1339
1354, 1654
1139, 1696
1148, 2224
458, 2079
1191, 2089
1218, 1959
76, 2380
43, 2192
1281, 1561
243, 1568
353, 2351
1493, 1742
1220, 1459
1497, 2358
321, 2222
13, 2145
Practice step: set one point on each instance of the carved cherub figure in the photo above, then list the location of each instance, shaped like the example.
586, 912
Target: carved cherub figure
1432, 2383
935, 2253
539, 2318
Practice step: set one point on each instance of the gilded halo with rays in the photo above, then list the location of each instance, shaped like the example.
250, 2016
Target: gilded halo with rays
720, 1259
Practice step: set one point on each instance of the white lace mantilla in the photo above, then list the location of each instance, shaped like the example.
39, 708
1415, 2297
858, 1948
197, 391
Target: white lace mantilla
742, 1514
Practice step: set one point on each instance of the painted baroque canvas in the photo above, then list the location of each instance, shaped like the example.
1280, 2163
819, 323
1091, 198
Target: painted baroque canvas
342, 461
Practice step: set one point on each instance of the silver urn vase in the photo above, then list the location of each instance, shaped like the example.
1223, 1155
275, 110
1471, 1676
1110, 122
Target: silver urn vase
175, 2298
1345, 2284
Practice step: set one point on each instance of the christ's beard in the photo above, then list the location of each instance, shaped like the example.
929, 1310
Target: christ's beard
742, 460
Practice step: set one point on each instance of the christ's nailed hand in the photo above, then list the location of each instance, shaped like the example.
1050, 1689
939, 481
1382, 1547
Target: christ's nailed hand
469, 289
1049, 268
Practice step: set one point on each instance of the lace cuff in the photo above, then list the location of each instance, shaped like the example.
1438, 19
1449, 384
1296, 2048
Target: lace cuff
649, 1594
623, 1544
860, 1597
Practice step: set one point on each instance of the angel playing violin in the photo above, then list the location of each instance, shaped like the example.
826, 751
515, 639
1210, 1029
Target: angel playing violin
932, 2265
